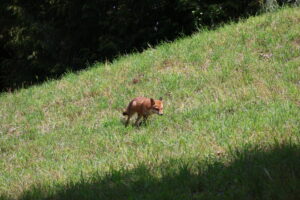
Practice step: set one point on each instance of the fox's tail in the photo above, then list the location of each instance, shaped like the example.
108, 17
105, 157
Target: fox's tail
127, 109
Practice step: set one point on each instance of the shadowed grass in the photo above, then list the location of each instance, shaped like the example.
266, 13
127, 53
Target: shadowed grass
227, 89
251, 173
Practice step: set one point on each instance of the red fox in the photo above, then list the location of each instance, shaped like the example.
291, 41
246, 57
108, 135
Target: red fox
143, 107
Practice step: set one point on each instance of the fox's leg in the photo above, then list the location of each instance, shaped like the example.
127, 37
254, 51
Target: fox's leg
128, 119
138, 119
145, 117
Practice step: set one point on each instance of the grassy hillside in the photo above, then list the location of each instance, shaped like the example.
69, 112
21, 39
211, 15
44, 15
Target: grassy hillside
230, 130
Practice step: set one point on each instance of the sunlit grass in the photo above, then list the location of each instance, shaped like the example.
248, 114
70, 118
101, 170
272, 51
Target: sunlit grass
231, 90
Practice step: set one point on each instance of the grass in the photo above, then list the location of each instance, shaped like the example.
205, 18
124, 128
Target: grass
230, 130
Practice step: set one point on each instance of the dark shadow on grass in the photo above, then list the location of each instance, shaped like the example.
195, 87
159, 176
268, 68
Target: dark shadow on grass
255, 173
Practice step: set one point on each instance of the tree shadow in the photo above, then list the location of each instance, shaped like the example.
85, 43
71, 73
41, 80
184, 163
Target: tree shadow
254, 173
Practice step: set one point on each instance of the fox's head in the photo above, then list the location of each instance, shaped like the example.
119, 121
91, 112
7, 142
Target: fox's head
157, 106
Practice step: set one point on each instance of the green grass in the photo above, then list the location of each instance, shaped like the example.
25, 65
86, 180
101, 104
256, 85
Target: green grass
230, 130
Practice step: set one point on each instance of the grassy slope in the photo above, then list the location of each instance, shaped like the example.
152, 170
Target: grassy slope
230, 129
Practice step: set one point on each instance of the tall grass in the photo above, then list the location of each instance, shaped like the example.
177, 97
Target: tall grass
230, 129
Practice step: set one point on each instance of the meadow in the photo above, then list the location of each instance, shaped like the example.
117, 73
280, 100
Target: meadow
230, 128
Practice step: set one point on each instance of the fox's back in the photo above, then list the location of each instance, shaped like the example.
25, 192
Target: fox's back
140, 105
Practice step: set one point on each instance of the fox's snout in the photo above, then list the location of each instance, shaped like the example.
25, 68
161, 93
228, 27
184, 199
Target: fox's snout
160, 112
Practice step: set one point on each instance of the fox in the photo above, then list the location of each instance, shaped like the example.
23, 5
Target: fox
144, 107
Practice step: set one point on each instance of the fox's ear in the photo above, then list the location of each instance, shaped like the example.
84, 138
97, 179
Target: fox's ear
160, 98
152, 101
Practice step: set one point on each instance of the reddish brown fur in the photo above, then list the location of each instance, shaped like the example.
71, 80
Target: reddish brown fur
143, 107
